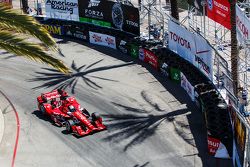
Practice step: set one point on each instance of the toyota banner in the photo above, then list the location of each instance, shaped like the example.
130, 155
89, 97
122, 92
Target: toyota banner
110, 14
192, 47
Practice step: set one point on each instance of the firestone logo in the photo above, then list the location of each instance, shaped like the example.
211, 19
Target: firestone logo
180, 40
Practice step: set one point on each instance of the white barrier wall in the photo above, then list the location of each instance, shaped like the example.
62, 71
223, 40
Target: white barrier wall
191, 47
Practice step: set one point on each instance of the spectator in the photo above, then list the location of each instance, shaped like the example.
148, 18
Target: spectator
29, 11
242, 100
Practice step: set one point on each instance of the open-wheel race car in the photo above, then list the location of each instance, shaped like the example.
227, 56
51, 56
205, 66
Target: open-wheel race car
64, 110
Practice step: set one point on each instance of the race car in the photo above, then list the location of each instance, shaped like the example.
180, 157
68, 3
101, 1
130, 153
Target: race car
64, 110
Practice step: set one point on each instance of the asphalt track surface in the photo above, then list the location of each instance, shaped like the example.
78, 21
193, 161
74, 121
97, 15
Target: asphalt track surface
151, 121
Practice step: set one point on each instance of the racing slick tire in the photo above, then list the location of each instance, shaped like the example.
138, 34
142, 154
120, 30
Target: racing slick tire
68, 125
95, 116
56, 121
86, 113
42, 109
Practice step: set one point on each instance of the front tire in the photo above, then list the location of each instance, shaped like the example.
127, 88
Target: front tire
86, 113
42, 109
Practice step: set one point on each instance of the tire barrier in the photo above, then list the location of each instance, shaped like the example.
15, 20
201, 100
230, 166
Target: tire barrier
200, 89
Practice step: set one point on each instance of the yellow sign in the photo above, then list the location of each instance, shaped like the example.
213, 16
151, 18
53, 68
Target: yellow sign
240, 133
57, 30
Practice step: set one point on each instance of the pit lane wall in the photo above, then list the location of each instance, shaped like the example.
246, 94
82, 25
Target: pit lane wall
186, 70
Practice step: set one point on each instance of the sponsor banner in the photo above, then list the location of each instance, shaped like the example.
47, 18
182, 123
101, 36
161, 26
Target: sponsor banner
242, 25
7, 3
175, 74
110, 14
216, 148
203, 56
213, 145
134, 50
141, 54
185, 84
55, 30
151, 58
191, 47
122, 45
102, 39
219, 11
62, 9
165, 69
240, 138
77, 34
181, 41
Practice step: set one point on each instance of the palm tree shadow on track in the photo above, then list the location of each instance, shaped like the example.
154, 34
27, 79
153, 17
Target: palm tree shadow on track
195, 120
138, 125
54, 78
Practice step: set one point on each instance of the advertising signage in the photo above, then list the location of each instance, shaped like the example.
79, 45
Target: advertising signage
62, 9
242, 25
6, 3
110, 14
191, 47
102, 39
240, 139
54, 29
151, 58
219, 11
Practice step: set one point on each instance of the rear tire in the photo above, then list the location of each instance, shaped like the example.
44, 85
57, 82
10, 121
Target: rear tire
68, 125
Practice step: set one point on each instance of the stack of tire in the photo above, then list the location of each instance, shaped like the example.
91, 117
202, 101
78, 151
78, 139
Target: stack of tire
212, 104
216, 114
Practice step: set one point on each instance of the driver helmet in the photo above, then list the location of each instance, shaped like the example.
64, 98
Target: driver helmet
71, 108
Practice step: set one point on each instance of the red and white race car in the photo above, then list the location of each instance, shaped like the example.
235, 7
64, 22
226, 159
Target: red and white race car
65, 111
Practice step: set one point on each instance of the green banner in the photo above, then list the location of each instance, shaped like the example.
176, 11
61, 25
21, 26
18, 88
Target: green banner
95, 22
134, 50
175, 74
